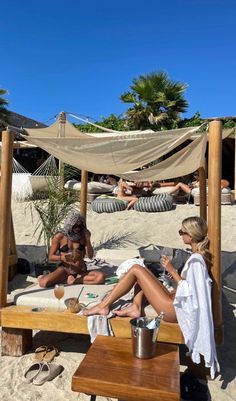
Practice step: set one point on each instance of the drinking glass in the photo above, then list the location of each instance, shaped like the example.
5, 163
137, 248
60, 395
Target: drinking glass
169, 253
59, 293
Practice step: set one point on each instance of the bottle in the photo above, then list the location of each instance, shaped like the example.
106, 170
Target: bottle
155, 322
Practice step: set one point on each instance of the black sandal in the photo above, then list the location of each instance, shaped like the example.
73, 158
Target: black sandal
192, 389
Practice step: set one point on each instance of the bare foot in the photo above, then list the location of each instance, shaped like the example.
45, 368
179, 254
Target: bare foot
131, 311
71, 279
96, 310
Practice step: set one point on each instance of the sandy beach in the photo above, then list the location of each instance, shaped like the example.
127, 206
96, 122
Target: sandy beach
127, 229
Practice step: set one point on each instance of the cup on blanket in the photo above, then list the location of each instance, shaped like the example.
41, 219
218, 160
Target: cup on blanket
73, 305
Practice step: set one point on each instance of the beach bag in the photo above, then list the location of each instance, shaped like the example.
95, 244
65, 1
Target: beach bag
23, 266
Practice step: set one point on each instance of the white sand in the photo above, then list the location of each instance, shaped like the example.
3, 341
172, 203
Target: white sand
127, 229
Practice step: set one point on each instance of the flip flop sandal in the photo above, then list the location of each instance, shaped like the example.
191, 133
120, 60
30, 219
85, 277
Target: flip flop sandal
40, 352
48, 372
32, 372
50, 354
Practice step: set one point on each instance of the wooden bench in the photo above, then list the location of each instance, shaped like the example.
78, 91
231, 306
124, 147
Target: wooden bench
18, 322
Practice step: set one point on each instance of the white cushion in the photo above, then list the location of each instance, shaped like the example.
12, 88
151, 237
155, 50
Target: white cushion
195, 191
162, 190
73, 184
93, 187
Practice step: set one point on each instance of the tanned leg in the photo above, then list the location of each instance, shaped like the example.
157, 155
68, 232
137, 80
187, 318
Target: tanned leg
154, 291
59, 276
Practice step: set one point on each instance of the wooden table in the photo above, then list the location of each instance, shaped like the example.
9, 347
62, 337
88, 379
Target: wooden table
109, 369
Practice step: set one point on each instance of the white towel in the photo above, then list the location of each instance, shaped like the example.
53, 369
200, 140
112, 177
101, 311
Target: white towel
99, 325
127, 264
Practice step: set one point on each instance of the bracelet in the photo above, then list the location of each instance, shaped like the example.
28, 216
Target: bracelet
180, 281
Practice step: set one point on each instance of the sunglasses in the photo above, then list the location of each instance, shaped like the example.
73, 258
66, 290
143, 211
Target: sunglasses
183, 232
78, 226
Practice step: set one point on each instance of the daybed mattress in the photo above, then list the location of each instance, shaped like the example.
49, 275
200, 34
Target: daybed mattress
44, 297
35, 296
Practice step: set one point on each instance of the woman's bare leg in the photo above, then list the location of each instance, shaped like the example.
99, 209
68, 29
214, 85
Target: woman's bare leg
91, 277
59, 276
135, 309
182, 186
154, 291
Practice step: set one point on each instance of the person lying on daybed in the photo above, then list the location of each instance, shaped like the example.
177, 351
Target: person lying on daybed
190, 305
125, 191
187, 188
69, 247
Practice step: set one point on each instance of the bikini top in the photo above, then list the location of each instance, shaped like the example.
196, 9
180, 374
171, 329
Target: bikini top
66, 249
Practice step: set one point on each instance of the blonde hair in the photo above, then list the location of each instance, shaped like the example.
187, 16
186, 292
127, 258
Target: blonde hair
197, 228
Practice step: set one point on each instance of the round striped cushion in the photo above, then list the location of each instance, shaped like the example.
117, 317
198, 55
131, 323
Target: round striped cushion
108, 205
156, 203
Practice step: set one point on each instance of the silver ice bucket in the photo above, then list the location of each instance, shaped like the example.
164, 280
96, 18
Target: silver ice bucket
144, 340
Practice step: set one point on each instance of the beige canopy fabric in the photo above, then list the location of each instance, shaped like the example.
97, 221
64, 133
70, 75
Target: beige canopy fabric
53, 131
181, 163
113, 154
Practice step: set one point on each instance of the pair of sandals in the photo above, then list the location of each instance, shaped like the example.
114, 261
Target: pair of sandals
41, 372
46, 353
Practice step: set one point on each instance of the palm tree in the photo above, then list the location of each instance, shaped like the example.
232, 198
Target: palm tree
157, 101
3, 111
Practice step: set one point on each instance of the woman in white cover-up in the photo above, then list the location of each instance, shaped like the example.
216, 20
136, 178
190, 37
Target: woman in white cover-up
190, 305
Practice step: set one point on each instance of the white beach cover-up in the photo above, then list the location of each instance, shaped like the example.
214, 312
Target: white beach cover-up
194, 312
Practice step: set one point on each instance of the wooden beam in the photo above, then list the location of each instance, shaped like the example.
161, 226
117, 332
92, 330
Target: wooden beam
83, 193
61, 134
214, 220
5, 211
203, 194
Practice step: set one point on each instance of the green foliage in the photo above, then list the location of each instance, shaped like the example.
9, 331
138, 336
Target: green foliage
157, 102
229, 123
4, 113
192, 122
114, 122
198, 120
53, 209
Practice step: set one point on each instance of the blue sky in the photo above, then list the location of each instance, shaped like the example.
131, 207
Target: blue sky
80, 56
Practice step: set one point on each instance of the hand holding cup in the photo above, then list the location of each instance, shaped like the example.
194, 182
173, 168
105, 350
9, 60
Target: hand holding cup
72, 256
166, 263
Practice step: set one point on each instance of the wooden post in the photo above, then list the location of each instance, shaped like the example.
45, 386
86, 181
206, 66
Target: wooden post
83, 193
203, 194
214, 220
61, 134
5, 211
15, 342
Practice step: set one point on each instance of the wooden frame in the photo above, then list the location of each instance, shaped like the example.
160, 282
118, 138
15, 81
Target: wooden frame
18, 322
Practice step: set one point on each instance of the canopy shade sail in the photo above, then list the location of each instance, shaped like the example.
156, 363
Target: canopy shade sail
179, 164
114, 154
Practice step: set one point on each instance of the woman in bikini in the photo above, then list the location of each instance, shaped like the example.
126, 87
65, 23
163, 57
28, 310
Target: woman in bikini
69, 247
